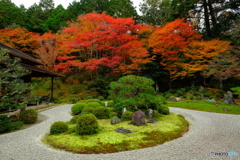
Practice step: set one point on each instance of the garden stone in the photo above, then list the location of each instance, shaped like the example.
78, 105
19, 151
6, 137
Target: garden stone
172, 99
228, 98
152, 121
115, 120
201, 88
150, 113
211, 100
106, 103
139, 118
225, 109
124, 110
122, 130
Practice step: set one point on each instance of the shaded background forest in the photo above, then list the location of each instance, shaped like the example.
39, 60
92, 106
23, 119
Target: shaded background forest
176, 43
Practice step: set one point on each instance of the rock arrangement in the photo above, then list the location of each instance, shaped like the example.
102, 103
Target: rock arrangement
115, 120
152, 121
123, 130
211, 100
139, 118
228, 98
172, 99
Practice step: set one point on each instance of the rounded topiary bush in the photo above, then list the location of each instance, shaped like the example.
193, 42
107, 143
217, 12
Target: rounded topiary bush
163, 110
93, 104
110, 103
93, 100
127, 116
28, 116
74, 119
101, 98
87, 124
77, 108
58, 127
88, 109
101, 112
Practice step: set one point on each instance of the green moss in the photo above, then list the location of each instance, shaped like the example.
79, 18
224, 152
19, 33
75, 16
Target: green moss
107, 140
206, 106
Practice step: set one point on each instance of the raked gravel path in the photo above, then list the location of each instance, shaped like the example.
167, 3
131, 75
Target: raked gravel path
209, 132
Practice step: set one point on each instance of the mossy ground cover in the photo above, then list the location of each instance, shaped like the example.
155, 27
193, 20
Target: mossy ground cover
108, 140
207, 106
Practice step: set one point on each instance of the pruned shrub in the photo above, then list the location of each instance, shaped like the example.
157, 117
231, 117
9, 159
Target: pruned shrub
85, 112
77, 108
207, 94
101, 98
58, 127
93, 100
198, 98
127, 116
89, 97
167, 95
161, 99
110, 103
74, 119
28, 116
101, 112
88, 109
73, 100
93, 104
16, 125
87, 124
163, 110
5, 124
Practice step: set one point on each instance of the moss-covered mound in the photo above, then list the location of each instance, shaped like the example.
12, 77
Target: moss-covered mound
107, 140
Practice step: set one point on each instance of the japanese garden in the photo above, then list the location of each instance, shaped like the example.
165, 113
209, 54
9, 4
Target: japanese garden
103, 80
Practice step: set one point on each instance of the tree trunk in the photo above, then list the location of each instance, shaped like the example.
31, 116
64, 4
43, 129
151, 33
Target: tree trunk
157, 87
220, 84
206, 18
213, 18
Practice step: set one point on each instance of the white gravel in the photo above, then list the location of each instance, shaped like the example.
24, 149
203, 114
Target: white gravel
209, 132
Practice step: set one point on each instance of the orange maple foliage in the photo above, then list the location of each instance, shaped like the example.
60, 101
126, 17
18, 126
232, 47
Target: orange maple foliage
172, 38
198, 54
21, 39
103, 40
50, 48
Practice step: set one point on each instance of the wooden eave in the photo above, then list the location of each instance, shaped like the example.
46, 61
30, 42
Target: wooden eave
29, 63
40, 72
16, 53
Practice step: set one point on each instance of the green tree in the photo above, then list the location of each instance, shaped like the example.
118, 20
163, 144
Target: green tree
156, 12
37, 14
13, 89
73, 10
122, 8
34, 19
130, 86
56, 20
134, 93
234, 33
213, 17
88, 6
10, 13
